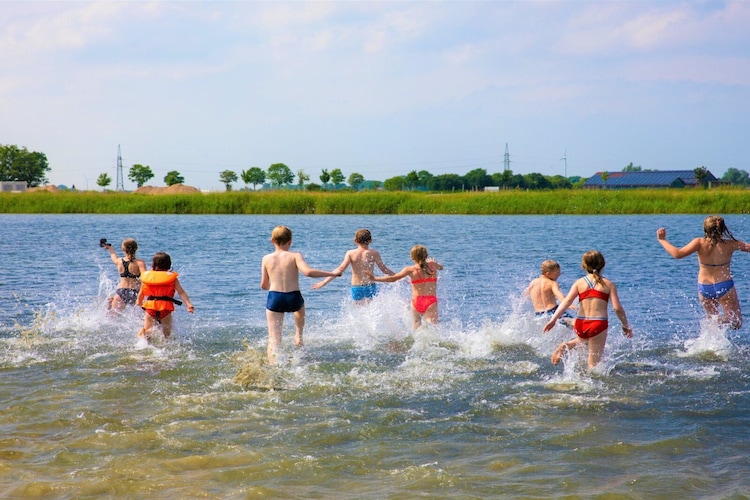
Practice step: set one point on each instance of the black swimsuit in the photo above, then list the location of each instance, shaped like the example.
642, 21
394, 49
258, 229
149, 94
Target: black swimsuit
127, 273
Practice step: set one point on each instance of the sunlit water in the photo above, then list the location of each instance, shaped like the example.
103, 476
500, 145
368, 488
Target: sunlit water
367, 409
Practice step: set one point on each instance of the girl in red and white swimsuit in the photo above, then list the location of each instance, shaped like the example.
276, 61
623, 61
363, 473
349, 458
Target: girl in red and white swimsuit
424, 302
594, 292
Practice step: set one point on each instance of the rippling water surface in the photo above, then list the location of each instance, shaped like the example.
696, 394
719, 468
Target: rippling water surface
367, 409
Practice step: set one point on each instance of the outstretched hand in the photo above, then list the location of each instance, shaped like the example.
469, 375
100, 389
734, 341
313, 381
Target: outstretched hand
549, 326
661, 233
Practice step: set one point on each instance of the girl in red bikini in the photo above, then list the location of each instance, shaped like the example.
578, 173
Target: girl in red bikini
423, 274
594, 292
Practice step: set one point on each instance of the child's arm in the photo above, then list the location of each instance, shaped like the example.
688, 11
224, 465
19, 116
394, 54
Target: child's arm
184, 296
139, 300
393, 277
113, 254
559, 295
265, 280
339, 271
565, 304
381, 265
309, 271
677, 253
619, 310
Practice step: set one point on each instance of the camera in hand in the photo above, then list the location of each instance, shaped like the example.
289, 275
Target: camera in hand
103, 243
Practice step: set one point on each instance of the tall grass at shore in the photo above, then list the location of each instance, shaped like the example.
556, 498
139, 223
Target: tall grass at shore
640, 201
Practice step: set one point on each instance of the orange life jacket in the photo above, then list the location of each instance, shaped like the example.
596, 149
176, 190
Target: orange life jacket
158, 290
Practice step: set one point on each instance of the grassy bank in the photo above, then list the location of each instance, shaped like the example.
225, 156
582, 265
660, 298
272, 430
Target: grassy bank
642, 201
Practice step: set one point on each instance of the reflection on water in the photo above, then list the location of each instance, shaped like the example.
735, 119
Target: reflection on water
471, 408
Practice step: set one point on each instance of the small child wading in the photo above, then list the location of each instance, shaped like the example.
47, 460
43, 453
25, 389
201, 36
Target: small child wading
545, 292
156, 296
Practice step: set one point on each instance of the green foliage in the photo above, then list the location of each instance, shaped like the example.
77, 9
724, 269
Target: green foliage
18, 164
254, 176
510, 202
173, 177
736, 177
325, 177
700, 175
302, 177
103, 180
356, 179
228, 177
280, 174
337, 177
140, 174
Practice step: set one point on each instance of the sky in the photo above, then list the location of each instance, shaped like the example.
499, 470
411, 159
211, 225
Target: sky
377, 88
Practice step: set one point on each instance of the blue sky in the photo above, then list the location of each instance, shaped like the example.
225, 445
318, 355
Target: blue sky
378, 88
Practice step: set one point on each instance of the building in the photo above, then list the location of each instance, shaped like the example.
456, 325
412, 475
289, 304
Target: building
655, 179
12, 186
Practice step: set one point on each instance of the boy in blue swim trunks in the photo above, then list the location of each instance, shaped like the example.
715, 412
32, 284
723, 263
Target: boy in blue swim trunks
545, 293
280, 276
363, 260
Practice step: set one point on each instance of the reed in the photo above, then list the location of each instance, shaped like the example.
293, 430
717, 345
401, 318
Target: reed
641, 201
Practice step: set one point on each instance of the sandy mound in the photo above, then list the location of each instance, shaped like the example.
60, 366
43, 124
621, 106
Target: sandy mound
50, 188
173, 189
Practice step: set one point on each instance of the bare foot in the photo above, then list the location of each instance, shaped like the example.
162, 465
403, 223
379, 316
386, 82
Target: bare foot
558, 354
298, 340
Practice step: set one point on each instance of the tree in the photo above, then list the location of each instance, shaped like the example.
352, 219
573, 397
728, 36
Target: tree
536, 181
424, 178
227, 177
173, 177
395, 183
478, 178
736, 177
701, 173
337, 177
302, 177
254, 176
604, 175
412, 179
630, 168
18, 164
140, 174
280, 174
325, 177
103, 180
446, 182
356, 179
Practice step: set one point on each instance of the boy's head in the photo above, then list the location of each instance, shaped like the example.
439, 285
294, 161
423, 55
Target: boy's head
362, 237
281, 235
550, 267
161, 262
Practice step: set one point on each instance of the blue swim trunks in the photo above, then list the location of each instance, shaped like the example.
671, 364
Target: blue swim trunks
715, 290
552, 311
285, 302
362, 292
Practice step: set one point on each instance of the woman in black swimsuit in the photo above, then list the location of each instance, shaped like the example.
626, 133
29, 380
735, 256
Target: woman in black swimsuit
130, 269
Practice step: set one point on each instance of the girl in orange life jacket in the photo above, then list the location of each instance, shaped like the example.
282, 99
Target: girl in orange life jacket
156, 296
594, 291
424, 302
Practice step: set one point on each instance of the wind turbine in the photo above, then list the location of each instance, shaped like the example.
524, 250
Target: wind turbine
565, 159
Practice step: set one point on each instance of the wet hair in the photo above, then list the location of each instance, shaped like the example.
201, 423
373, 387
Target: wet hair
129, 246
715, 229
419, 255
363, 237
281, 235
550, 265
593, 262
161, 262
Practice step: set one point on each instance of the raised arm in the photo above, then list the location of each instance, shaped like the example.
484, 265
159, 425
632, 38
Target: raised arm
677, 253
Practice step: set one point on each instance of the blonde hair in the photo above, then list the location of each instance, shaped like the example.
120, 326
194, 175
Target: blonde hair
129, 246
419, 255
593, 262
363, 237
550, 265
281, 235
715, 229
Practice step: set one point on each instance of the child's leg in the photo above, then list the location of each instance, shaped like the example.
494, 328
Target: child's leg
732, 310
275, 322
711, 306
416, 317
299, 325
431, 314
596, 348
565, 346
166, 326
148, 324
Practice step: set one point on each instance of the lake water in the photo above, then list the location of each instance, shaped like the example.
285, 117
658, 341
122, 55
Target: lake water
367, 409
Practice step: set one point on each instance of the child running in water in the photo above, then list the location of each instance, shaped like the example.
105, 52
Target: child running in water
130, 269
363, 260
544, 292
280, 276
423, 274
715, 284
593, 292
156, 296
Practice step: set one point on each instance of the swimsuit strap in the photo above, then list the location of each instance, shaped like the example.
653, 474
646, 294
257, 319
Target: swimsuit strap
714, 265
126, 273
590, 283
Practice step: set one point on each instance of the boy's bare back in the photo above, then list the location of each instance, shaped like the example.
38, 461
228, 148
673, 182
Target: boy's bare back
543, 292
281, 271
363, 262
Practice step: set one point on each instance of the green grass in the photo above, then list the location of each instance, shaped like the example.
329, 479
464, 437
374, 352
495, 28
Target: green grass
641, 201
